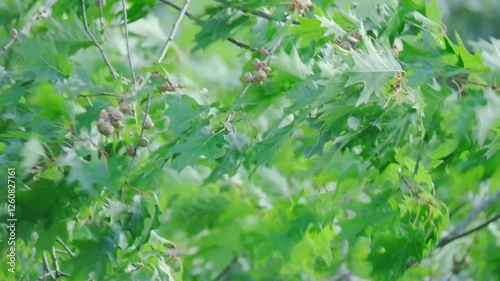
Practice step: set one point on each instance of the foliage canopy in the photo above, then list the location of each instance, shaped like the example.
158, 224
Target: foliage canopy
370, 151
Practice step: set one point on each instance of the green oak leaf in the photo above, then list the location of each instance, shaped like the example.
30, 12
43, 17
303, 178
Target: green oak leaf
202, 143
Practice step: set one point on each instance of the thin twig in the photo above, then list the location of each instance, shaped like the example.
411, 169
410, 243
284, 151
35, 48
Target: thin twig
146, 113
100, 149
257, 13
64, 274
459, 232
174, 31
47, 274
101, 3
61, 252
58, 271
241, 44
466, 81
68, 250
46, 267
273, 50
16, 34
178, 8
226, 269
87, 30
266, 60
55, 262
448, 240
192, 17
128, 45
148, 102
473, 214
96, 95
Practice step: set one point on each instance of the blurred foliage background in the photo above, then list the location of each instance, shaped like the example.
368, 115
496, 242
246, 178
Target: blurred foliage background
473, 19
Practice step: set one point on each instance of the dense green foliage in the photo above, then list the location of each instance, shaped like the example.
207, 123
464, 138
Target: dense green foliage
373, 142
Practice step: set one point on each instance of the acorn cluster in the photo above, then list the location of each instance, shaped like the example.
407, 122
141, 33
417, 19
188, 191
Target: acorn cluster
261, 71
109, 120
301, 6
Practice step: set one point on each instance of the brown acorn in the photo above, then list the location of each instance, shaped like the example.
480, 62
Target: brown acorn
124, 107
143, 142
260, 76
247, 77
105, 128
264, 52
124, 97
131, 150
256, 64
116, 115
166, 87
104, 115
148, 124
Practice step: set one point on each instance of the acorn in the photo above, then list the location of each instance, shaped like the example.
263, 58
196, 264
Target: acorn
264, 52
103, 114
166, 87
352, 40
143, 142
124, 107
256, 64
123, 97
116, 115
105, 128
131, 150
155, 75
260, 76
100, 121
14, 33
116, 123
247, 77
344, 45
148, 123
395, 52
267, 69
